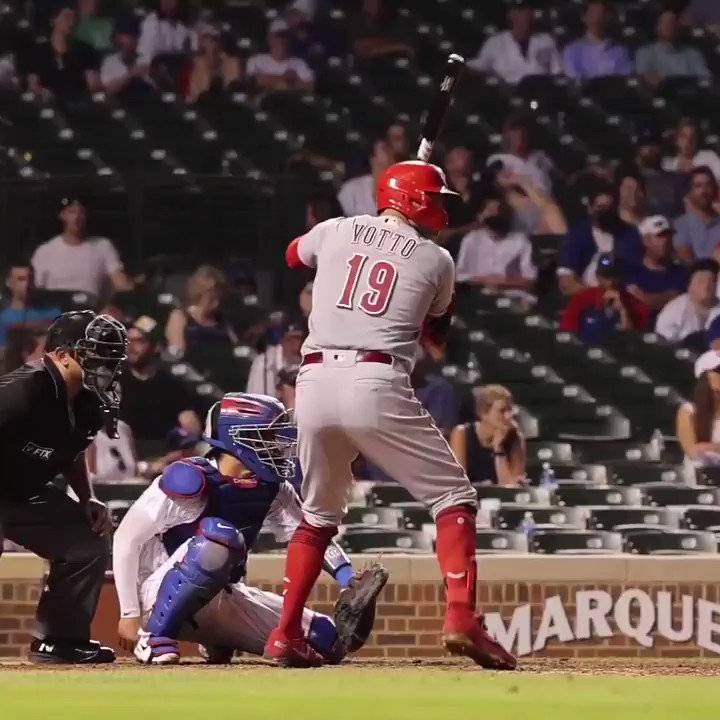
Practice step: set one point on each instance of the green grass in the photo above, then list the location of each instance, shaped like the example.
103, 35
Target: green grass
349, 694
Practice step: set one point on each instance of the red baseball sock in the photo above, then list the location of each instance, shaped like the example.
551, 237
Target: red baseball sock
455, 548
303, 565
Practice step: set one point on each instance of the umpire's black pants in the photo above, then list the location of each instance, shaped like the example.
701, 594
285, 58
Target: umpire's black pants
55, 527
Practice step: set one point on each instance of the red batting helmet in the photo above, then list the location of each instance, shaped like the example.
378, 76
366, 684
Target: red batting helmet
413, 188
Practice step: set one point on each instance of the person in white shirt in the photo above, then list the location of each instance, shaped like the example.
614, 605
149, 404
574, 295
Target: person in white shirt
122, 70
266, 367
688, 156
519, 156
357, 196
518, 52
277, 69
163, 32
494, 257
112, 459
73, 261
694, 310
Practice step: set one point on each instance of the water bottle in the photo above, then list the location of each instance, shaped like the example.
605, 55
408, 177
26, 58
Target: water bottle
527, 526
657, 443
547, 479
472, 368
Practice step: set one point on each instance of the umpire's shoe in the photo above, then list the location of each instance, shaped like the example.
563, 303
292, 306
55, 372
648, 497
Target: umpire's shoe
67, 652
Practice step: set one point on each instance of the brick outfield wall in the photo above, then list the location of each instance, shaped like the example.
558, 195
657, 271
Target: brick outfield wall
409, 618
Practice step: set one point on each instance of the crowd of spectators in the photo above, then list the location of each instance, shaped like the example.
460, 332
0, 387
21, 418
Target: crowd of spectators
641, 255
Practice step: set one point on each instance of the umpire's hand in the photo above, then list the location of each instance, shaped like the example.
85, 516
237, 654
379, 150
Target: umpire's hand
99, 516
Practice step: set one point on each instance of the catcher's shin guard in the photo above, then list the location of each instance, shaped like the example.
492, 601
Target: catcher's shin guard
355, 607
206, 568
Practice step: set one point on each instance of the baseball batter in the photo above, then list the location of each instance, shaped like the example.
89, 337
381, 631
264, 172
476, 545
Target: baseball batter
380, 282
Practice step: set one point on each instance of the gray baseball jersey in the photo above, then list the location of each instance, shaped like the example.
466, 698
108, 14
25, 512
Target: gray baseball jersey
377, 279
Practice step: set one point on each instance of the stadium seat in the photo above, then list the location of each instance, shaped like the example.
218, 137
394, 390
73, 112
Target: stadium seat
119, 491
584, 496
617, 518
702, 518
505, 494
387, 495
414, 518
510, 516
579, 542
634, 473
678, 542
387, 541
265, 542
495, 542
384, 517
661, 495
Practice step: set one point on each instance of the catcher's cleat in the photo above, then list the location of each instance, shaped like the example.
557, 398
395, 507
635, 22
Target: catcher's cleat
290, 652
216, 654
355, 607
477, 644
67, 652
154, 650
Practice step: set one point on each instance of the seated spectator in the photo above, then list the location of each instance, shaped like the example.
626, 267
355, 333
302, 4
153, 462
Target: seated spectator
263, 377
92, 28
376, 33
202, 322
306, 38
658, 279
664, 189
697, 232
601, 233
462, 212
398, 138
492, 448
112, 459
493, 256
712, 334
698, 422
357, 195
519, 51
595, 312
632, 197
596, 54
214, 70
19, 308
277, 69
285, 388
153, 401
692, 311
62, 65
165, 31
520, 157
667, 57
74, 261
688, 156
24, 345
534, 211
122, 72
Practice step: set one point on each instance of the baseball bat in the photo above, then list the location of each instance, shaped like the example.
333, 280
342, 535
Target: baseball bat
440, 106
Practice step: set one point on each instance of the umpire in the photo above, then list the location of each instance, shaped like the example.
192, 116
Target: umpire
50, 411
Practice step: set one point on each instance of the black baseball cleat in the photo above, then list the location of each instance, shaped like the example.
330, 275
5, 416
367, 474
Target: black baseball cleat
217, 654
68, 652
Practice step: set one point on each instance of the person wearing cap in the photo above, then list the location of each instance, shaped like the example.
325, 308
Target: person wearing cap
154, 401
73, 260
50, 411
214, 67
697, 232
595, 312
266, 367
63, 65
122, 71
517, 52
277, 69
596, 54
658, 279
698, 422
692, 311
603, 232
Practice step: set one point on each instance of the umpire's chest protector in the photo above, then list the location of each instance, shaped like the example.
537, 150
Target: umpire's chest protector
243, 504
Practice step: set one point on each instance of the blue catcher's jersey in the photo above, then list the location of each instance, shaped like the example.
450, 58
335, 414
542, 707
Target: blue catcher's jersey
242, 504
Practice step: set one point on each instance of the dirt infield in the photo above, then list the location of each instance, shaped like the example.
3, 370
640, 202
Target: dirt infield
537, 666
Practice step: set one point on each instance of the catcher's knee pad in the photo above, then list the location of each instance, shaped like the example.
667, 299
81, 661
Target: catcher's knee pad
211, 557
323, 638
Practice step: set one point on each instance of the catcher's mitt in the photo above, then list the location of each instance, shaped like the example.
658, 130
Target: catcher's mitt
355, 608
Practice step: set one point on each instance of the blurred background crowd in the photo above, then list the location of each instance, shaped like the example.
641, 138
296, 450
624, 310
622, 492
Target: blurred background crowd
582, 143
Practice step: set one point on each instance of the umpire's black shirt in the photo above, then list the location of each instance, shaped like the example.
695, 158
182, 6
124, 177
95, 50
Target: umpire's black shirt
40, 433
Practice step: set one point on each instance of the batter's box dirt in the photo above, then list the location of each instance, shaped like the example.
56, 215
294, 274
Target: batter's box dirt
564, 666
